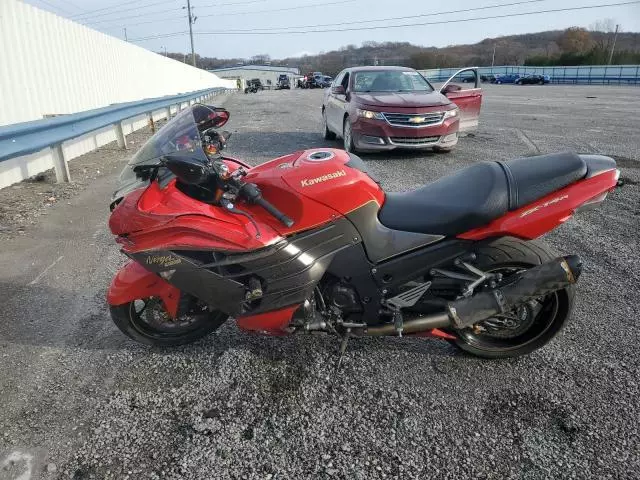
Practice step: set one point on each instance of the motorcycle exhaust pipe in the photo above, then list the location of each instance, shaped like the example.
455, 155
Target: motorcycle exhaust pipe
531, 284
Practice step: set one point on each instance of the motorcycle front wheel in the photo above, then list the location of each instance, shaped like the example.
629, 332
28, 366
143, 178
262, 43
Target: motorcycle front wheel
527, 327
146, 321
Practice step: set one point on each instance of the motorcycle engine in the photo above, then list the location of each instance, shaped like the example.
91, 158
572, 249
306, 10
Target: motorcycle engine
345, 298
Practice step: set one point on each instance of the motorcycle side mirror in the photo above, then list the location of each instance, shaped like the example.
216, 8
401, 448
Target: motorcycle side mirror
188, 169
226, 134
208, 117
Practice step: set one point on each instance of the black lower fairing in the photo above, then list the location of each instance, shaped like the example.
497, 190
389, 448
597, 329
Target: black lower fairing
289, 271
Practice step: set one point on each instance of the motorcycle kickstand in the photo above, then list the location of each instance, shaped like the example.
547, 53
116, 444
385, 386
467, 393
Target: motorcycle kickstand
343, 348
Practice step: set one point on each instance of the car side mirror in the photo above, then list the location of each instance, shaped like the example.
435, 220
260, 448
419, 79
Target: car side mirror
451, 87
339, 90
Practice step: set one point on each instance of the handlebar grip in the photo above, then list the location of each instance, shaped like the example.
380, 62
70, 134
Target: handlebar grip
275, 212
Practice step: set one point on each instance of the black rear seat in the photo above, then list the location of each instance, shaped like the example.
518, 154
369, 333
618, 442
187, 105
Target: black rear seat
531, 178
476, 195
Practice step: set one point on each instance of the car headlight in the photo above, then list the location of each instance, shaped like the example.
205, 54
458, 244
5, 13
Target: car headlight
369, 114
451, 113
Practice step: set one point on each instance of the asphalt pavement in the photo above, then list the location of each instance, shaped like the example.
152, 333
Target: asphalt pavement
79, 400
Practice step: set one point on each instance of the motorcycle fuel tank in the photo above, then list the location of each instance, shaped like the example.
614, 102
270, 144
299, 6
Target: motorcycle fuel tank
303, 182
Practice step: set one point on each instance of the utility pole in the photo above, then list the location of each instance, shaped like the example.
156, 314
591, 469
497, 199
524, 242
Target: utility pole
125, 35
192, 20
493, 57
613, 47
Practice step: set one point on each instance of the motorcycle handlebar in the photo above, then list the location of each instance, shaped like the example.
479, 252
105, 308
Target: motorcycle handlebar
252, 193
275, 212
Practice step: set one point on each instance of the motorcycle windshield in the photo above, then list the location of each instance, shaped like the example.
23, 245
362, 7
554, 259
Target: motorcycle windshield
179, 136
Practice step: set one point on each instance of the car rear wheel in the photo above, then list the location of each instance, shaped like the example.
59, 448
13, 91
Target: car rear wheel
347, 136
327, 134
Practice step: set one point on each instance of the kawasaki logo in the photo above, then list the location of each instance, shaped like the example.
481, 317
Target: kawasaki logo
324, 178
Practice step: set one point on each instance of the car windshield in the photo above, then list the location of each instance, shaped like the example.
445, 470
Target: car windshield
390, 81
180, 136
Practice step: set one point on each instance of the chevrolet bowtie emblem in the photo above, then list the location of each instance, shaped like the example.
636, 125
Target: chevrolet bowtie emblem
417, 119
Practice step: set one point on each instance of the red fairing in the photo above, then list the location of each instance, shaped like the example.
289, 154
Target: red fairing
435, 333
166, 218
273, 323
133, 282
549, 212
160, 218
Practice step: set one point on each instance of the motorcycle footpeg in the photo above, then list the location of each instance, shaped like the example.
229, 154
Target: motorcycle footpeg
398, 322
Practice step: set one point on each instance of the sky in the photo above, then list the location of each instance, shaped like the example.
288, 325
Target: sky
244, 28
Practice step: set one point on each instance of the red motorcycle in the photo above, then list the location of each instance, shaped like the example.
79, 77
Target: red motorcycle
310, 242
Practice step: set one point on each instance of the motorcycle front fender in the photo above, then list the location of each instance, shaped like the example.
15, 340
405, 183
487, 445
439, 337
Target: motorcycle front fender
134, 282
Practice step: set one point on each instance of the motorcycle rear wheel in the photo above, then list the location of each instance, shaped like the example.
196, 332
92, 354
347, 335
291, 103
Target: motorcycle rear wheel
530, 327
146, 321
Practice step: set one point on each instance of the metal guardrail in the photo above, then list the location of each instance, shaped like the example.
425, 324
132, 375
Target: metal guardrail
580, 75
30, 137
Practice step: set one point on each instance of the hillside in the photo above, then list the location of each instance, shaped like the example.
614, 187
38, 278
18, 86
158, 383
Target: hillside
569, 47
574, 46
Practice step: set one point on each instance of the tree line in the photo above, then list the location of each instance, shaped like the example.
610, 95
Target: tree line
573, 46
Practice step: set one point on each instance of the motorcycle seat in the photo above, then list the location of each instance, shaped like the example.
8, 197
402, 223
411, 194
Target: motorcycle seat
476, 195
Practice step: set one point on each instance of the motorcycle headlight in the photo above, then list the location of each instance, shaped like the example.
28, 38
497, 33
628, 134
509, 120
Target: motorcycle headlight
451, 113
370, 115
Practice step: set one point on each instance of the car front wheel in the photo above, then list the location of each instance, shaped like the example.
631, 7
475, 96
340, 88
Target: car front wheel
347, 136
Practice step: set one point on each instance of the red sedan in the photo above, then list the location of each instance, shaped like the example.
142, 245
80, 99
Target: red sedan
384, 108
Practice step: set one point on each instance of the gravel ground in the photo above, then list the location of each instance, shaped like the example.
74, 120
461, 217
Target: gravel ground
81, 401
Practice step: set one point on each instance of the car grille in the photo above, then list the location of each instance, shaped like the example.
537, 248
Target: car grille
416, 141
415, 120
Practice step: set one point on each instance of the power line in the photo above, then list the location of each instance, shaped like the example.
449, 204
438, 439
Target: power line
586, 7
299, 7
55, 7
71, 4
88, 16
90, 13
284, 9
91, 21
487, 7
433, 14
382, 27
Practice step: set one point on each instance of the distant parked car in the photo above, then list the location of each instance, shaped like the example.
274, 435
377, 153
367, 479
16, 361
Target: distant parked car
490, 77
326, 81
312, 80
533, 79
507, 78
283, 82
253, 85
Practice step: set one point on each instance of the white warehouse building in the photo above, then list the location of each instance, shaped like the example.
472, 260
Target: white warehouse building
268, 74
